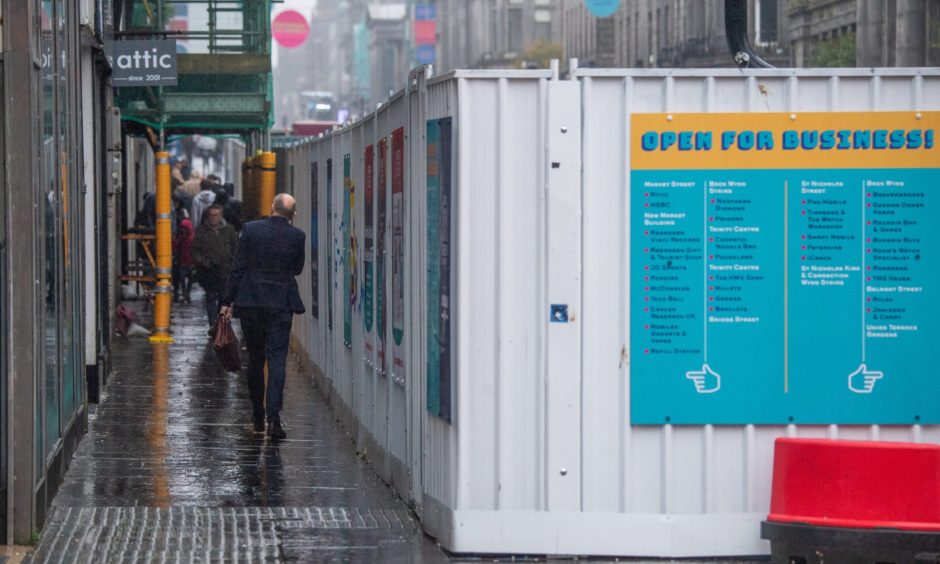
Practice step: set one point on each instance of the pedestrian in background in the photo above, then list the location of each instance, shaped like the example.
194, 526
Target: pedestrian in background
193, 184
183, 260
262, 292
213, 251
200, 203
232, 210
176, 175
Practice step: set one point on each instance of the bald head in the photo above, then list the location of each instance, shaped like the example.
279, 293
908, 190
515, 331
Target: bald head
284, 206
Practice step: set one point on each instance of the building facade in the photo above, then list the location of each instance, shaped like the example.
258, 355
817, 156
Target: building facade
56, 217
666, 33
323, 63
385, 65
804, 33
493, 33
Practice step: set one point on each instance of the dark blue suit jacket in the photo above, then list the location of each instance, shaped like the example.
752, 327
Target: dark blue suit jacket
270, 254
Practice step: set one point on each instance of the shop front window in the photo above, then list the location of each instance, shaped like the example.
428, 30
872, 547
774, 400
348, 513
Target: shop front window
48, 205
515, 29
68, 181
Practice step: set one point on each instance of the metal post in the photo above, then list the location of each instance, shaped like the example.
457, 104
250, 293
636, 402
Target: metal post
162, 301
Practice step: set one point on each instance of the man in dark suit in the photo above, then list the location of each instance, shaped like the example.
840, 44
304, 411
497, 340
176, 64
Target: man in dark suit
262, 292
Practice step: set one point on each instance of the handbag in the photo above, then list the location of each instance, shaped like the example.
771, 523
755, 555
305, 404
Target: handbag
225, 344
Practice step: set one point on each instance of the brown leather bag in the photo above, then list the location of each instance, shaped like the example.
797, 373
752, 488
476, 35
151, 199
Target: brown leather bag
225, 343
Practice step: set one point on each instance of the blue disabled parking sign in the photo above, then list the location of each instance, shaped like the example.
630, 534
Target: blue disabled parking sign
602, 8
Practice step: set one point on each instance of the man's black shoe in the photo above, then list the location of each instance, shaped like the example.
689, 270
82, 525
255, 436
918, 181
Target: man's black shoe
258, 425
275, 431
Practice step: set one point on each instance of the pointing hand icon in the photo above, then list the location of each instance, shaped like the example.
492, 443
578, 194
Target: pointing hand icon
862, 381
706, 381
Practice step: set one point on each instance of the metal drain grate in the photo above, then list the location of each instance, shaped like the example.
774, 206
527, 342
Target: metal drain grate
190, 534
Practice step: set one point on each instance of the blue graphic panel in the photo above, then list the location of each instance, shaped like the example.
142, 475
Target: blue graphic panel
425, 54
602, 8
425, 11
439, 381
776, 296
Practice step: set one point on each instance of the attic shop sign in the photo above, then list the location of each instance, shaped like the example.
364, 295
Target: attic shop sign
144, 63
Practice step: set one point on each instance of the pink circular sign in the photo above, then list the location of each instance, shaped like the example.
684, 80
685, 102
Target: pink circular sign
290, 28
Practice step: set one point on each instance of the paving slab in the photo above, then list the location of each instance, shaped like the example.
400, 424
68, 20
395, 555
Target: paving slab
170, 470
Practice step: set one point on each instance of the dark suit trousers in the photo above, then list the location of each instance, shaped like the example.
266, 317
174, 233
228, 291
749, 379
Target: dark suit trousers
267, 336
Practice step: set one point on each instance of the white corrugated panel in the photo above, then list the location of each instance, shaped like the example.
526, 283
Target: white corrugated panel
539, 455
342, 355
437, 465
394, 117
363, 391
294, 162
365, 344
678, 477
490, 460
319, 153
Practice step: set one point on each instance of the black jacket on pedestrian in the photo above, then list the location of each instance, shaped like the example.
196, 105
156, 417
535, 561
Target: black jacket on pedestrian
232, 212
212, 252
270, 255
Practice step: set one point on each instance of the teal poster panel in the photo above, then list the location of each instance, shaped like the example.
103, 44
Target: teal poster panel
382, 226
399, 374
433, 269
786, 295
439, 381
368, 302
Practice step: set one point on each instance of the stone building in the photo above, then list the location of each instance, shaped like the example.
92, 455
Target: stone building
864, 33
798, 33
666, 33
389, 49
898, 33
492, 33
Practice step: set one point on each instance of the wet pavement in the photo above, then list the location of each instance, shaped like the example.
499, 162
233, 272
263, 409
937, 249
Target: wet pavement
171, 471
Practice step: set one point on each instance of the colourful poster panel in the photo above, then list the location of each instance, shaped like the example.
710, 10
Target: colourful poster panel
382, 224
350, 283
368, 290
332, 271
314, 241
784, 268
439, 374
398, 254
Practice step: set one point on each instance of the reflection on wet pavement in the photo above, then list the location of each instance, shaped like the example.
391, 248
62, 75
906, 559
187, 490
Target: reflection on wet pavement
170, 469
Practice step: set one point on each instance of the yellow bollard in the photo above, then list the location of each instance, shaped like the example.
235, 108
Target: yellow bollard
163, 298
268, 188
